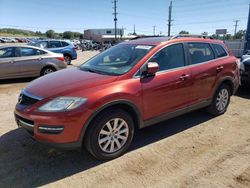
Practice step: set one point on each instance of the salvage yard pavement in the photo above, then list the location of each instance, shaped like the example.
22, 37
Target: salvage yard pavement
193, 150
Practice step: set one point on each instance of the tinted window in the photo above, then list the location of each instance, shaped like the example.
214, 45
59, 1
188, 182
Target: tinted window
55, 44
219, 50
64, 43
170, 57
200, 52
7, 52
30, 52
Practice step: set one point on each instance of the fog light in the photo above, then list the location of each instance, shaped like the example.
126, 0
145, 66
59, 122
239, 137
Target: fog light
50, 129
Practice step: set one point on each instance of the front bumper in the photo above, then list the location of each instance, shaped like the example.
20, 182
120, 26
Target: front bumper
56, 129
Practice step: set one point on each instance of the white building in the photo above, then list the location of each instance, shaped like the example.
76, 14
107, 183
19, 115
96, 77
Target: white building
105, 35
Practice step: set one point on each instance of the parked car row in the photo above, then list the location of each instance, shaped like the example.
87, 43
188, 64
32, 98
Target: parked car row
132, 85
16, 40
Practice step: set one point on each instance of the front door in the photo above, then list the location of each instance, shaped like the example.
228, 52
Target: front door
169, 90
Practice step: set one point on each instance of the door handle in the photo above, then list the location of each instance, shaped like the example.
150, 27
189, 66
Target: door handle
184, 77
12, 61
219, 69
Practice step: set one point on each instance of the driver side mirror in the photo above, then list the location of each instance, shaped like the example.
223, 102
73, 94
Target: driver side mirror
150, 69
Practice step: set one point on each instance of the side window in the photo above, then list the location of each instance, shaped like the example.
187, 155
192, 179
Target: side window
7, 52
29, 52
200, 52
55, 44
64, 43
170, 57
219, 50
43, 44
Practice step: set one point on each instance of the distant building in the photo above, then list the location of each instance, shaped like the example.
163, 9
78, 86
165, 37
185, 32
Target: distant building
105, 35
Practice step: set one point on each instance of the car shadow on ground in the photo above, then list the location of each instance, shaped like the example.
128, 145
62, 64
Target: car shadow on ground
26, 163
16, 80
243, 92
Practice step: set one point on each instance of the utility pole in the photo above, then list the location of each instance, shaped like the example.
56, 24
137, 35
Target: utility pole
154, 29
169, 18
236, 25
134, 33
115, 17
247, 35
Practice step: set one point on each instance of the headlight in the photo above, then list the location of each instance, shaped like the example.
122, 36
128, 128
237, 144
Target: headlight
62, 104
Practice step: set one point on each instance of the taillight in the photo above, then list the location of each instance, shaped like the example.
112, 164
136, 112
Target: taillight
75, 48
60, 58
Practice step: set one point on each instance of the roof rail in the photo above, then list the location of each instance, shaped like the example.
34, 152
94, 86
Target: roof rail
190, 35
146, 36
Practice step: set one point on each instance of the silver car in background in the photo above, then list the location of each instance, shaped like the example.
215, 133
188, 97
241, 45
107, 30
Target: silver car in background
18, 61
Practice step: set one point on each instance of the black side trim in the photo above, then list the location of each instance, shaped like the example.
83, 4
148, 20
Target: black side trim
176, 113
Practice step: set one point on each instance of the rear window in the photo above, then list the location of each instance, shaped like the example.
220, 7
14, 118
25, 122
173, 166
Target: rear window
200, 52
55, 44
219, 50
31, 52
64, 43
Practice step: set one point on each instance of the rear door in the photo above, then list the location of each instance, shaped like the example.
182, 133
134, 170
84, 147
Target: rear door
30, 61
169, 89
203, 67
55, 46
9, 68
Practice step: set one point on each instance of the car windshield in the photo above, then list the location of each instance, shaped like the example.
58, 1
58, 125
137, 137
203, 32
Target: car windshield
116, 60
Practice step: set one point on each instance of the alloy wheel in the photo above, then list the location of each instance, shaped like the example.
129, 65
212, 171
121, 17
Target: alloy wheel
113, 135
222, 100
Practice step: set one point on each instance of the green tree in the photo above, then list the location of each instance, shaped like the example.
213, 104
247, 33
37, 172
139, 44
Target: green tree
183, 32
228, 36
50, 33
68, 35
239, 34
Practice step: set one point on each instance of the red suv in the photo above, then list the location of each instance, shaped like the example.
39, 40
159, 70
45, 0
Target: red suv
129, 86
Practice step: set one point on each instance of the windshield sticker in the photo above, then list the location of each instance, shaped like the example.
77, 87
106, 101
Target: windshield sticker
143, 47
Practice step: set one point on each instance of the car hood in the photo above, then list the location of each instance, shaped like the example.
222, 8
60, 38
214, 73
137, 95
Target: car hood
66, 82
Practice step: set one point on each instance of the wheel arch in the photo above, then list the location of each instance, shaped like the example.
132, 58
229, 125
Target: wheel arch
47, 66
229, 81
125, 105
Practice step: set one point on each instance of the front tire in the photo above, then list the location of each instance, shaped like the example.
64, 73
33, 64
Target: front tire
220, 101
110, 134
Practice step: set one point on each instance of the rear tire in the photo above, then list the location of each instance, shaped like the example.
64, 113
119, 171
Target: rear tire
220, 101
67, 59
47, 70
110, 134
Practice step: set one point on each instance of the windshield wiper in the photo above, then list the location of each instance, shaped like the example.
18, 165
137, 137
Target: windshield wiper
92, 70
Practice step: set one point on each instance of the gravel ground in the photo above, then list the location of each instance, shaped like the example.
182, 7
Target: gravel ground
193, 150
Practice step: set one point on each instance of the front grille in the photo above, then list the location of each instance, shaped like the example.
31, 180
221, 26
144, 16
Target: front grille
26, 100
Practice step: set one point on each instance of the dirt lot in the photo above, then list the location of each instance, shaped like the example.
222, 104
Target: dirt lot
194, 150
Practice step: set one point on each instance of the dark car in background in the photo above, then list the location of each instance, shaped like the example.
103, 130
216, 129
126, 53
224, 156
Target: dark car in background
18, 61
58, 46
245, 70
